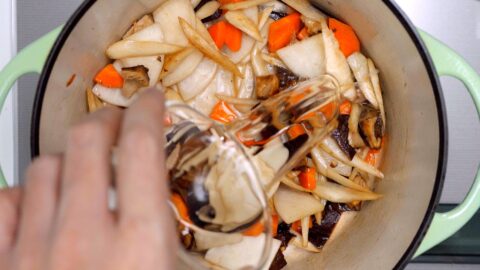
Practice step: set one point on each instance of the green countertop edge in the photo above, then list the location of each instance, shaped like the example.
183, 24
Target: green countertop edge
29, 60
449, 63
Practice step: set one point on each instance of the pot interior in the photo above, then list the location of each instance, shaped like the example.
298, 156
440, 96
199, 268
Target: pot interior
382, 232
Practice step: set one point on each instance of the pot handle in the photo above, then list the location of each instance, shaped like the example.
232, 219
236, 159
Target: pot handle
29, 60
449, 63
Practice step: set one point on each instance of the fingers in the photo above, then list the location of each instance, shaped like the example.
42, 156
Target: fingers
87, 169
38, 210
9, 212
141, 175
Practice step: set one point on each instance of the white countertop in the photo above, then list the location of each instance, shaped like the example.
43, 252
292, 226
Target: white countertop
7, 116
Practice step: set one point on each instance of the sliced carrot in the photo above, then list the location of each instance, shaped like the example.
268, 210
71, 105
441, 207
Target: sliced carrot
223, 113
308, 178
346, 108
371, 157
218, 32
167, 120
283, 31
274, 225
181, 206
295, 131
345, 35
255, 143
255, 230
328, 110
233, 38
224, 2
297, 226
303, 34
109, 77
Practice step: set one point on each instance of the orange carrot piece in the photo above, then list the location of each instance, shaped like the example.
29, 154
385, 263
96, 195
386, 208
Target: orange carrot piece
224, 2
308, 178
255, 230
109, 77
303, 34
167, 120
346, 108
181, 206
256, 143
297, 226
233, 38
283, 31
371, 157
274, 225
218, 32
328, 110
345, 35
223, 113
295, 131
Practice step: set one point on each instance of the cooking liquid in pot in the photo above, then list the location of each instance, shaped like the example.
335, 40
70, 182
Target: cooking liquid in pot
224, 67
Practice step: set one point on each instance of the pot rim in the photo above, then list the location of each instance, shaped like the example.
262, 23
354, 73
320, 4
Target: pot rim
397, 12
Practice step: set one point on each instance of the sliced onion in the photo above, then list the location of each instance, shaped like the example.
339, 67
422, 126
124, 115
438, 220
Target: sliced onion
208, 10
203, 32
334, 193
245, 49
252, 14
264, 17
258, 63
225, 85
292, 205
245, 4
336, 63
378, 91
172, 61
364, 166
359, 65
324, 169
354, 138
244, 23
205, 240
273, 61
264, 31
306, 9
330, 146
205, 47
298, 242
195, 3
168, 14
196, 83
153, 32
243, 255
131, 48
205, 102
113, 96
335, 164
305, 222
305, 58
172, 95
339, 194
184, 69
93, 102
274, 154
247, 87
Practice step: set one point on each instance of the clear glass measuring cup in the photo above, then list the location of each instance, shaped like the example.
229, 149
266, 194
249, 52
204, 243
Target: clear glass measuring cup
222, 177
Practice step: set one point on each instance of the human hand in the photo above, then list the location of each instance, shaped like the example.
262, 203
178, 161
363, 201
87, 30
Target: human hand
61, 219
